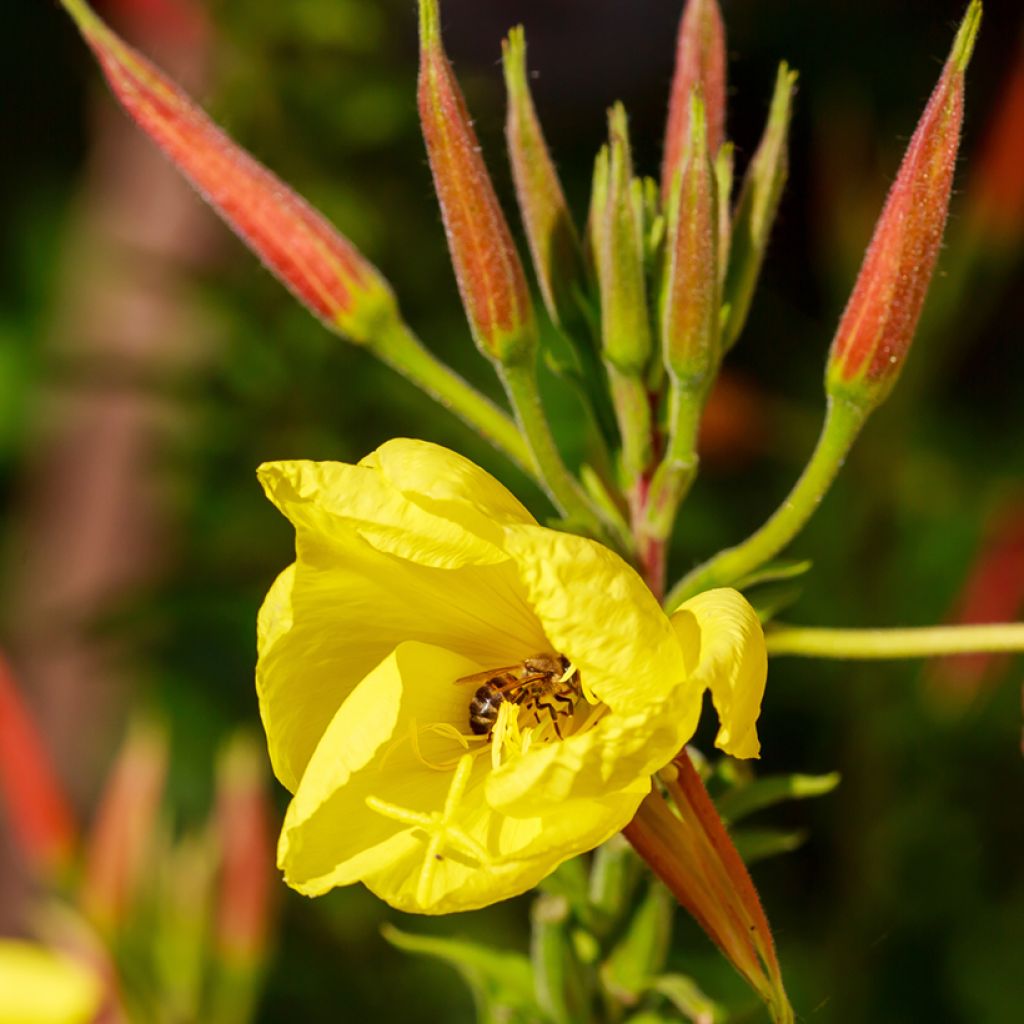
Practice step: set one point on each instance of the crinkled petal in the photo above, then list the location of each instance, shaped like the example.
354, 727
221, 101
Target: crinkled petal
732, 663
333, 837
321, 498
38, 986
598, 612
345, 606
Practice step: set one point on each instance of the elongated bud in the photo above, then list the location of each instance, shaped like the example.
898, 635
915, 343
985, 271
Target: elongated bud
35, 807
121, 840
995, 207
489, 273
618, 243
690, 301
878, 325
322, 269
692, 853
757, 207
554, 243
700, 64
247, 858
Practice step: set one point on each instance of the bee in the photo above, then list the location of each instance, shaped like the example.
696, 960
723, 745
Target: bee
545, 682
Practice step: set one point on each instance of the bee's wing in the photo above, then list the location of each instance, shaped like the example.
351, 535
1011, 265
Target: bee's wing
483, 677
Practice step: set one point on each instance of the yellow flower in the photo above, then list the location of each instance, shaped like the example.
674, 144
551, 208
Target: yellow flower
422, 586
38, 986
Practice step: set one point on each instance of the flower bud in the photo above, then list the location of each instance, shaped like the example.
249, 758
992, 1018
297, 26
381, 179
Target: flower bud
489, 273
36, 809
323, 270
690, 301
554, 243
617, 239
756, 209
700, 63
995, 194
881, 316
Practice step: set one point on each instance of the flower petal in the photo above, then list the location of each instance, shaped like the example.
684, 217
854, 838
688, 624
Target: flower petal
732, 662
38, 986
345, 606
321, 498
598, 612
333, 837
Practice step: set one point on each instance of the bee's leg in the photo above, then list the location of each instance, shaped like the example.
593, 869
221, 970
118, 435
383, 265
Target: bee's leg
552, 714
569, 703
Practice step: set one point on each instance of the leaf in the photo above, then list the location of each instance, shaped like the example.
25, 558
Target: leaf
773, 598
685, 995
743, 800
501, 981
641, 951
756, 844
771, 572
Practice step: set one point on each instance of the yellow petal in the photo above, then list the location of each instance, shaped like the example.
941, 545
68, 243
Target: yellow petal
345, 606
323, 499
332, 836
731, 661
598, 612
38, 986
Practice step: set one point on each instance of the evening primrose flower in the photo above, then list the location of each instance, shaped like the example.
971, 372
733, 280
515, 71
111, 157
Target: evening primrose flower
419, 582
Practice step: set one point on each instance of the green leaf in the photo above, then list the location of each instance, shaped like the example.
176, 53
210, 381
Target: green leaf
745, 799
501, 981
772, 572
641, 951
756, 844
685, 995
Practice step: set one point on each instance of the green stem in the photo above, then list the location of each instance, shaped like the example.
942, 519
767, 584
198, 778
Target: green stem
843, 421
921, 642
404, 352
633, 414
520, 380
678, 469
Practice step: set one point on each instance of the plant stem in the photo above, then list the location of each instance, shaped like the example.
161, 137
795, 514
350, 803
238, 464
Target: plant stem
405, 353
920, 642
843, 421
633, 414
520, 380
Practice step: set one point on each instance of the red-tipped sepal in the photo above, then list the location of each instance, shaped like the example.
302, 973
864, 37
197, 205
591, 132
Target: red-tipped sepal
700, 64
488, 269
324, 271
874, 335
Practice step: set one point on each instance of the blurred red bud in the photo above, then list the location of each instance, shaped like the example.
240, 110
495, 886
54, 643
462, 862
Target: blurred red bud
996, 189
321, 268
242, 821
488, 269
993, 592
879, 322
36, 807
120, 844
700, 64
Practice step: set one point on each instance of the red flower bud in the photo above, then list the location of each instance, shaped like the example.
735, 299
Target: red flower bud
878, 325
321, 268
996, 190
700, 63
489, 273
37, 810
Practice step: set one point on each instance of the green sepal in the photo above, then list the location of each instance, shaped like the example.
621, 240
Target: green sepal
771, 598
757, 207
501, 982
686, 996
772, 572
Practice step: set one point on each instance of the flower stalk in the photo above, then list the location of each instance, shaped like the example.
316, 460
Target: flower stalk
885, 644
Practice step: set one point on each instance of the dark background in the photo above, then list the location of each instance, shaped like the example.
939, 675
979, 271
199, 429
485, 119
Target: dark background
144, 419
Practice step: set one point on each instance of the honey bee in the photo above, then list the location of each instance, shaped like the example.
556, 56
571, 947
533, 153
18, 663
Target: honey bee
545, 682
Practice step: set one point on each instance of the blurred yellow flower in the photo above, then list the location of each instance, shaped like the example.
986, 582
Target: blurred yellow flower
422, 587
38, 986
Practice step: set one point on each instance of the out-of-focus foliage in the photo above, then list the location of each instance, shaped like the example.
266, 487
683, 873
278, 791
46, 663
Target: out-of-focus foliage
906, 902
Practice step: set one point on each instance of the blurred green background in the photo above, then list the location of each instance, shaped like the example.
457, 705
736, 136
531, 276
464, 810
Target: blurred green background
148, 365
